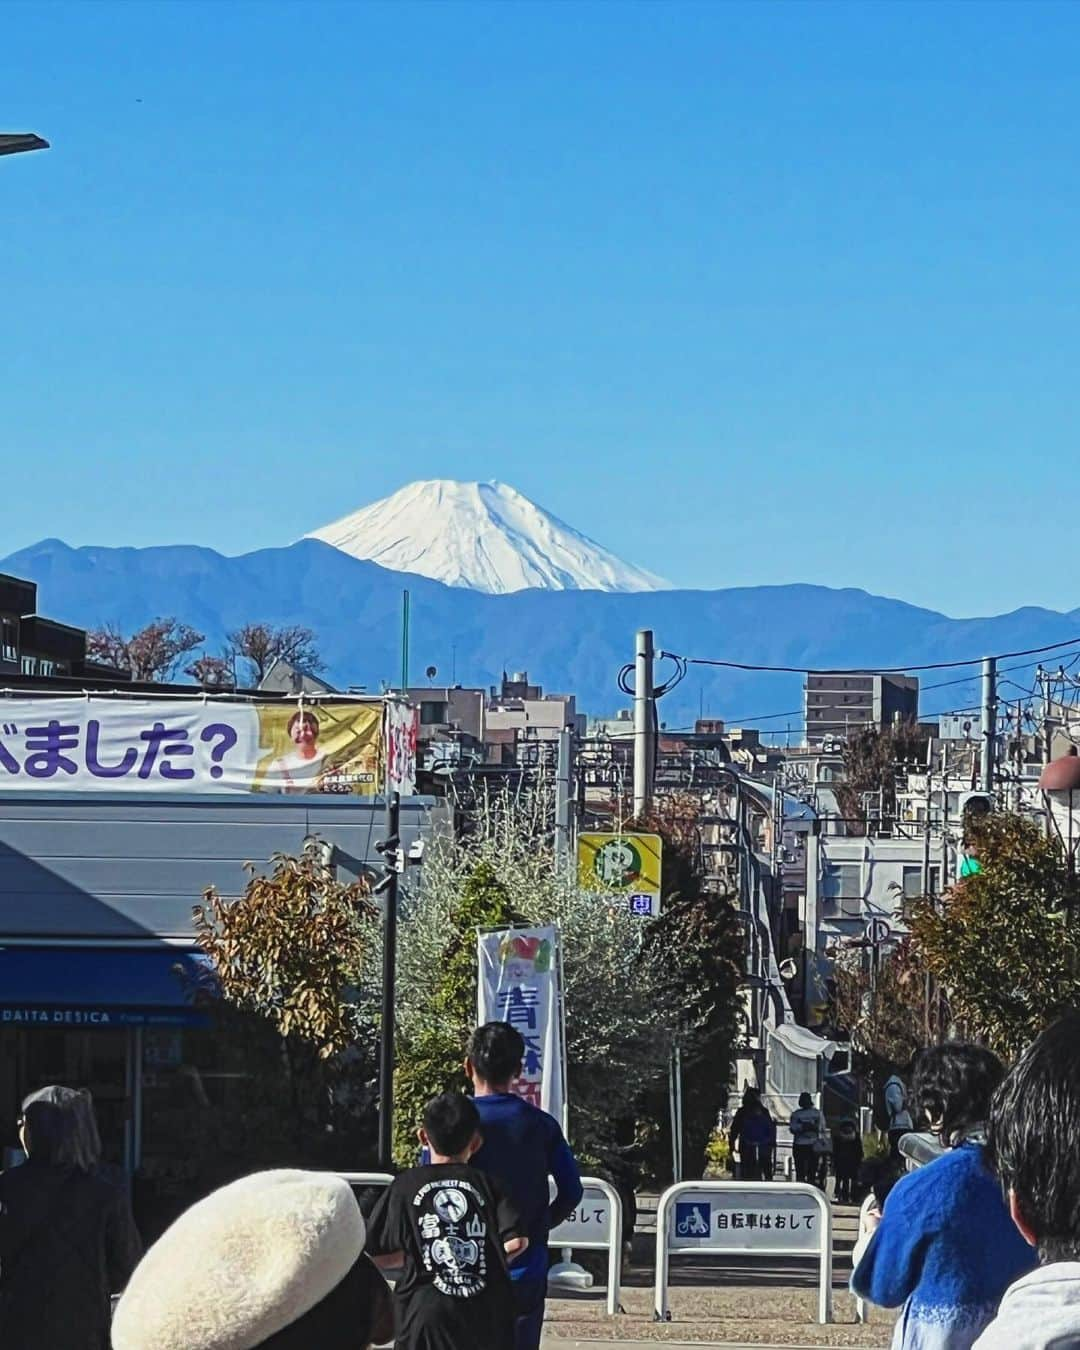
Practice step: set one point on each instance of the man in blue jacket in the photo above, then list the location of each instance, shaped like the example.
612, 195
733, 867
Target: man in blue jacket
522, 1147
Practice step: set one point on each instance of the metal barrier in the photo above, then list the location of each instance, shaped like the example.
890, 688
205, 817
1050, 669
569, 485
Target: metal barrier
864, 1209
743, 1218
597, 1225
366, 1178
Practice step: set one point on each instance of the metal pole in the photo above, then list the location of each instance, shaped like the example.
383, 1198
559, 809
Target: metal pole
644, 730
405, 642
989, 729
386, 1047
926, 822
562, 801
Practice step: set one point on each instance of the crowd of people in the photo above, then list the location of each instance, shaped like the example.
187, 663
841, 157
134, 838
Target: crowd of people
978, 1248
285, 1260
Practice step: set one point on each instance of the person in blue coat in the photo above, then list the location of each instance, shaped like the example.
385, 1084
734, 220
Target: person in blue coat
945, 1248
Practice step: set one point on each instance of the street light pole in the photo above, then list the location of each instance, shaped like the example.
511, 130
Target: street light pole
390, 848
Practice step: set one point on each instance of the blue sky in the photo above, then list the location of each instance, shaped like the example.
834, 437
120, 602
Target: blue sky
751, 293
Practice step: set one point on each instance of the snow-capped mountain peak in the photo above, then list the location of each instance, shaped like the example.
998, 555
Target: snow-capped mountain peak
485, 536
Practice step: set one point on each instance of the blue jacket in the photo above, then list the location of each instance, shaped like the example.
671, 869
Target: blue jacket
947, 1250
522, 1147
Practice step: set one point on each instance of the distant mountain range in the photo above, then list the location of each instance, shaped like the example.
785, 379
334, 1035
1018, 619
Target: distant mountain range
485, 536
568, 640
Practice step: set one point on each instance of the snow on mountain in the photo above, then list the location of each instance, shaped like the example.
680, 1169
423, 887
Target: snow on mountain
484, 536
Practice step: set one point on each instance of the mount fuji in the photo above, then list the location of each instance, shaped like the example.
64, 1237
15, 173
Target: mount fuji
483, 537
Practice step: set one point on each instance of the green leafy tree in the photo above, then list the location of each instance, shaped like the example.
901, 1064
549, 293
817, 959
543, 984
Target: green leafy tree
1005, 942
430, 1050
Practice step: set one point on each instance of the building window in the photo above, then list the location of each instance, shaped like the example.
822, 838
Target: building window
432, 714
28, 665
9, 640
842, 881
911, 881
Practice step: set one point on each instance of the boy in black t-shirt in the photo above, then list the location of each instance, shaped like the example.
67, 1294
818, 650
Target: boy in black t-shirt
452, 1231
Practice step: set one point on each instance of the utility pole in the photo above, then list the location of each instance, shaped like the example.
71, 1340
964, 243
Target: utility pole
989, 726
926, 821
563, 797
405, 642
390, 848
644, 722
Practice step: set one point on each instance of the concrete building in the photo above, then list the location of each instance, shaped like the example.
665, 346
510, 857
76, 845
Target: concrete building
837, 705
521, 715
33, 647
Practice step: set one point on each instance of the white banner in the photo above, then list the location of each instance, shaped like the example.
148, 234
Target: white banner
402, 731
519, 984
189, 745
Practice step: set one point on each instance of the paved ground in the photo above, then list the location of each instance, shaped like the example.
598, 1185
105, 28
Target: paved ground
719, 1301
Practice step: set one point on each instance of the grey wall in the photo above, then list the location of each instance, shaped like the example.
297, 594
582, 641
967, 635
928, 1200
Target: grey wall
119, 866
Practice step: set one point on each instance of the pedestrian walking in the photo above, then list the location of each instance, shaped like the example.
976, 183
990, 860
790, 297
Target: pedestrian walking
451, 1230
897, 1116
67, 1237
945, 1247
847, 1159
805, 1126
522, 1147
1034, 1128
753, 1132
274, 1261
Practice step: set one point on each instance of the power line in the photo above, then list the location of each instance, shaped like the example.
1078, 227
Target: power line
860, 670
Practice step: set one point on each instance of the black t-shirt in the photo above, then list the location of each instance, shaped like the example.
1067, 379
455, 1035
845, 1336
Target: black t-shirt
450, 1222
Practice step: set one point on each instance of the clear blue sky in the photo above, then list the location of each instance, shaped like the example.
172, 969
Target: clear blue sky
751, 293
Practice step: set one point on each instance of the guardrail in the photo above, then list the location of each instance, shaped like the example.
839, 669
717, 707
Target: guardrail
597, 1225
744, 1218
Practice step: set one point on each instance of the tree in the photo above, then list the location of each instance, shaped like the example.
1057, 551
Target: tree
871, 760
286, 954
1005, 942
212, 672
619, 1009
261, 644
152, 653
697, 948
888, 1014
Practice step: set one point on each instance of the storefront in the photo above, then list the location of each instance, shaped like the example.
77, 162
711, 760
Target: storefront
91, 1017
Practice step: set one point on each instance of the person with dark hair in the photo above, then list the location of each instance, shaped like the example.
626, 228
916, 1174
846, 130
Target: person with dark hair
452, 1230
274, 1261
945, 1246
753, 1133
805, 1126
67, 1237
299, 770
847, 1159
522, 1146
1033, 1147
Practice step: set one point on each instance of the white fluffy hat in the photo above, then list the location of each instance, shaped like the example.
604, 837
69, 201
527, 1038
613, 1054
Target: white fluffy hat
242, 1264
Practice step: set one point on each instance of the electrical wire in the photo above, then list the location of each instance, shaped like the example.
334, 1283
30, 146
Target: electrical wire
860, 670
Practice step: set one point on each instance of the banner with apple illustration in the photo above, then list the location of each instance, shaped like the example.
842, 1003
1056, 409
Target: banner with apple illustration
519, 983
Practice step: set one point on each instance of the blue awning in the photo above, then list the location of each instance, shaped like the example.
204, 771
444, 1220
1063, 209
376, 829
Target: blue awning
101, 987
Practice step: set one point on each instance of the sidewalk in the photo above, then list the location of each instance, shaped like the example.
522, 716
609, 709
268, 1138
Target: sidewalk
750, 1314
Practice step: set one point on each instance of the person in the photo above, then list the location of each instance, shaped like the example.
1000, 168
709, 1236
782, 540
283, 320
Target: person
847, 1159
67, 1237
897, 1115
452, 1230
274, 1261
522, 1146
298, 770
753, 1132
1032, 1146
945, 1247
805, 1126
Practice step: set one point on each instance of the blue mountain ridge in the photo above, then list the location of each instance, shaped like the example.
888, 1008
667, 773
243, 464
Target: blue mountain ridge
569, 641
